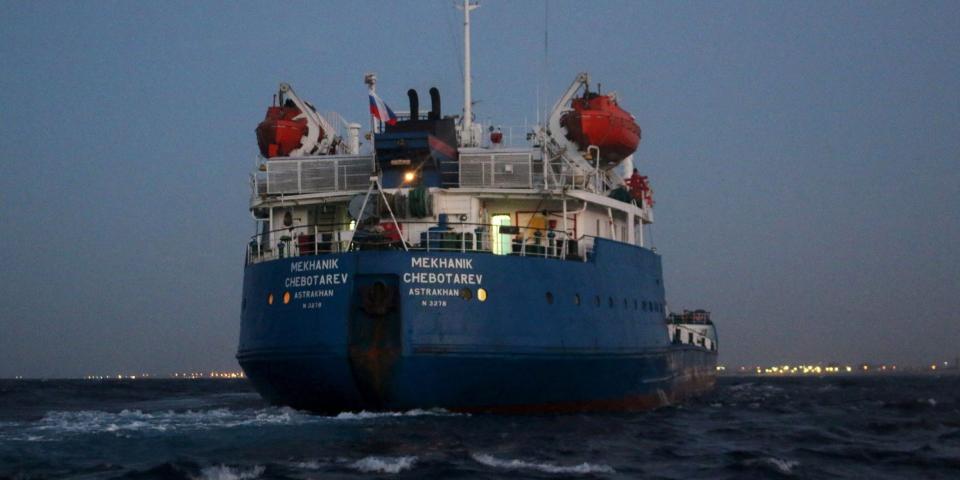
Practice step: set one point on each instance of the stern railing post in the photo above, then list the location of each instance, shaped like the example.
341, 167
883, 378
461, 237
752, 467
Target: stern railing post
299, 176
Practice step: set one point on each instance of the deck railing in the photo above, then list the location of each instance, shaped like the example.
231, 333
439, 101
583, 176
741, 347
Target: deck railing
418, 236
329, 173
489, 168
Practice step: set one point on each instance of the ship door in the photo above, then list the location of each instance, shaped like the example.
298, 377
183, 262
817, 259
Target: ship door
375, 336
501, 241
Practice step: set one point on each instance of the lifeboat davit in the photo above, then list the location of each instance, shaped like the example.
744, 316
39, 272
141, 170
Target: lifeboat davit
279, 134
597, 120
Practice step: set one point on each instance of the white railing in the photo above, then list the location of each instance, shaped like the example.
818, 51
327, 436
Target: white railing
508, 169
329, 173
454, 237
519, 168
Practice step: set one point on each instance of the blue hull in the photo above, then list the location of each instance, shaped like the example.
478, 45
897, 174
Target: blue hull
471, 332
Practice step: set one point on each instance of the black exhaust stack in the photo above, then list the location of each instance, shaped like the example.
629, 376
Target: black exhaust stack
434, 104
414, 104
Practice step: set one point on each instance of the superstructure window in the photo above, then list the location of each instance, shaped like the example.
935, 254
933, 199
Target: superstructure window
500, 241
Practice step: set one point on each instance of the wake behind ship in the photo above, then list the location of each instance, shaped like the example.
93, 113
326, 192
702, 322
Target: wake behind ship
454, 269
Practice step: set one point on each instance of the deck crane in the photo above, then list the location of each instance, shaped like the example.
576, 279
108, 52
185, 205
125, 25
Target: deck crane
585, 163
556, 144
320, 135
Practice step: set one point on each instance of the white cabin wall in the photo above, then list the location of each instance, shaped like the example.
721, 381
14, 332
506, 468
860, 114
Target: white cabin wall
455, 206
527, 207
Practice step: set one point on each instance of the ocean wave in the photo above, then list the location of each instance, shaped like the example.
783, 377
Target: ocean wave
365, 415
783, 466
223, 472
127, 422
307, 465
515, 464
384, 464
778, 465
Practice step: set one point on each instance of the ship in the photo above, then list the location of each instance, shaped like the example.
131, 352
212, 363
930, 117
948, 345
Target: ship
460, 266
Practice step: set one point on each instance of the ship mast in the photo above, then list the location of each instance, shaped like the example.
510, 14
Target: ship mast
466, 126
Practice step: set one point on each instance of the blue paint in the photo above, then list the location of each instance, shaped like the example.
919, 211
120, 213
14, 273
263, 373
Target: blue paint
528, 343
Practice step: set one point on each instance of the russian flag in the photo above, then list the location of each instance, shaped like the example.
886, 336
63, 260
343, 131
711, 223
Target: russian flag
381, 111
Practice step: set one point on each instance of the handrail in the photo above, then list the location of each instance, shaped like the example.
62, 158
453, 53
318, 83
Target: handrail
460, 237
477, 168
302, 175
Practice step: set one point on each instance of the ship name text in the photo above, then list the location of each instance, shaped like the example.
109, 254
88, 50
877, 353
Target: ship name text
311, 265
441, 263
316, 280
443, 278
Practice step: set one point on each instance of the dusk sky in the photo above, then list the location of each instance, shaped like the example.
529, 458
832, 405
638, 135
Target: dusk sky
805, 158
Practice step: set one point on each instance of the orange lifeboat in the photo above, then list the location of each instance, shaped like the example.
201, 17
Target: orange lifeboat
597, 120
279, 134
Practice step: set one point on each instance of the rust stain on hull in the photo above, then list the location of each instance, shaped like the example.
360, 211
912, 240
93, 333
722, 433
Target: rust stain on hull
375, 340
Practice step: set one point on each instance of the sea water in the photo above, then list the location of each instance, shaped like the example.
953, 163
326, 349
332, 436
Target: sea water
830, 427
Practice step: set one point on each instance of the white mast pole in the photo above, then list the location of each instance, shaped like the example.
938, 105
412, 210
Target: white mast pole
467, 130
370, 79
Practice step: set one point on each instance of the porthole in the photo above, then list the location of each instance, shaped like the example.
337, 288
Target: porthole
646, 306
576, 299
270, 299
482, 294
596, 300
550, 298
625, 304
286, 298
635, 306
610, 301
466, 293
